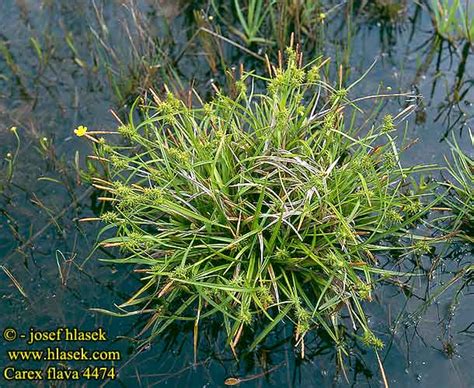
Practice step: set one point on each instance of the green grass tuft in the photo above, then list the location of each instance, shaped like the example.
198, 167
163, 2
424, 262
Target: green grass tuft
266, 207
461, 187
454, 20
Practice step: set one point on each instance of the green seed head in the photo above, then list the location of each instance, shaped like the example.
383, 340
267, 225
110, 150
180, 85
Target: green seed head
291, 53
390, 160
302, 327
301, 314
370, 340
303, 318
241, 87
110, 217
364, 163
300, 110
179, 156
364, 290
290, 79
134, 241
170, 108
106, 148
413, 207
277, 83
153, 194
330, 121
265, 297
245, 316
172, 103
118, 162
208, 110
393, 217
369, 193
282, 117
388, 124
313, 75
341, 93
297, 77
127, 131
122, 190
219, 134
421, 247
129, 202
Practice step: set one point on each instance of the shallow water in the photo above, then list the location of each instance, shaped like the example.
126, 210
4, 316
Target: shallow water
44, 247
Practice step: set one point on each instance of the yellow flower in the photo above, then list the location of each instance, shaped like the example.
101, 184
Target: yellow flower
80, 130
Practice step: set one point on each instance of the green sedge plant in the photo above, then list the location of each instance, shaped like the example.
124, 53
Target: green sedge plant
274, 205
454, 19
252, 20
460, 184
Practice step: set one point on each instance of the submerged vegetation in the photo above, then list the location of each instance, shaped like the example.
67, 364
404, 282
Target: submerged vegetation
276, 205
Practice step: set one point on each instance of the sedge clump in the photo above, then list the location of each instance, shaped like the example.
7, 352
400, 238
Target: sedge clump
263, 207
